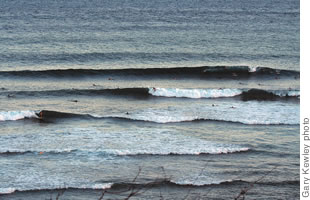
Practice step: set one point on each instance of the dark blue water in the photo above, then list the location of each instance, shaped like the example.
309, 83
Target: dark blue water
139, 34
172, 99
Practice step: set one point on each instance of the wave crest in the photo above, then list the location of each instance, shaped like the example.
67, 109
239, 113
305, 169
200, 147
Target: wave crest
237, 113
144, 93
163, 182
211, 149
17, 115
194, 93
35, 151
190, 72
95, 186
246, 94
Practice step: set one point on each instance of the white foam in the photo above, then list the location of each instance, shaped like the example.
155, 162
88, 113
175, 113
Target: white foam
252, 69
35, 150
96, 186
194, 93
142, 141
250, 112
16, 115
197, 182
7, 190
202, 177
162, 142
290, 93
182, 151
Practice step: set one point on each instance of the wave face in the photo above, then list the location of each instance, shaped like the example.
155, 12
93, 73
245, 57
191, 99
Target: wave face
40, 115
262, 95
200, 72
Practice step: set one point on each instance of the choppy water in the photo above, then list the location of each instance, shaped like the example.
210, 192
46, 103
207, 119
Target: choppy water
198, 98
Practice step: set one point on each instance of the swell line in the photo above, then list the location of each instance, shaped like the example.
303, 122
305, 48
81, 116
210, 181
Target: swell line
156, 183
96, 186
54, 116
16, 152
243, 94
191, 72
143, 92
227, 150
86, 57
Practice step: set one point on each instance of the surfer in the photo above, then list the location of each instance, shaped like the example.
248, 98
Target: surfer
40, 114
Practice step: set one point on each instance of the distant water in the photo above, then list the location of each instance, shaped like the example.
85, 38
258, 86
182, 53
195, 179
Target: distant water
196, 99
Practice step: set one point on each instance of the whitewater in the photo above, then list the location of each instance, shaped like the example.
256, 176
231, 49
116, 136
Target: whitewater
149, 99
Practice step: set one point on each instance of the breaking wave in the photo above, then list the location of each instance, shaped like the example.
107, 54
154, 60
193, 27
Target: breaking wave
245, 94
96, 186
194, 93
129, 143
163, 182
17, 115
189, 183
191, 72
35, 151
249, 115
251, 94
212, 149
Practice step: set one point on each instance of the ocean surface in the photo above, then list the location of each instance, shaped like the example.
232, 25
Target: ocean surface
159, 99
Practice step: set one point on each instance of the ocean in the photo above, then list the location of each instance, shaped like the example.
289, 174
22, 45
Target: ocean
160, 99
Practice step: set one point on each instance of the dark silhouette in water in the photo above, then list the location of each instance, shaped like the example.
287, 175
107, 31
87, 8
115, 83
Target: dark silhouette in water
47, 115
229, 72
260, 95
75, 101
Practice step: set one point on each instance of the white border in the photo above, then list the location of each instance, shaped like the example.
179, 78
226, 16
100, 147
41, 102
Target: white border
304, 86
